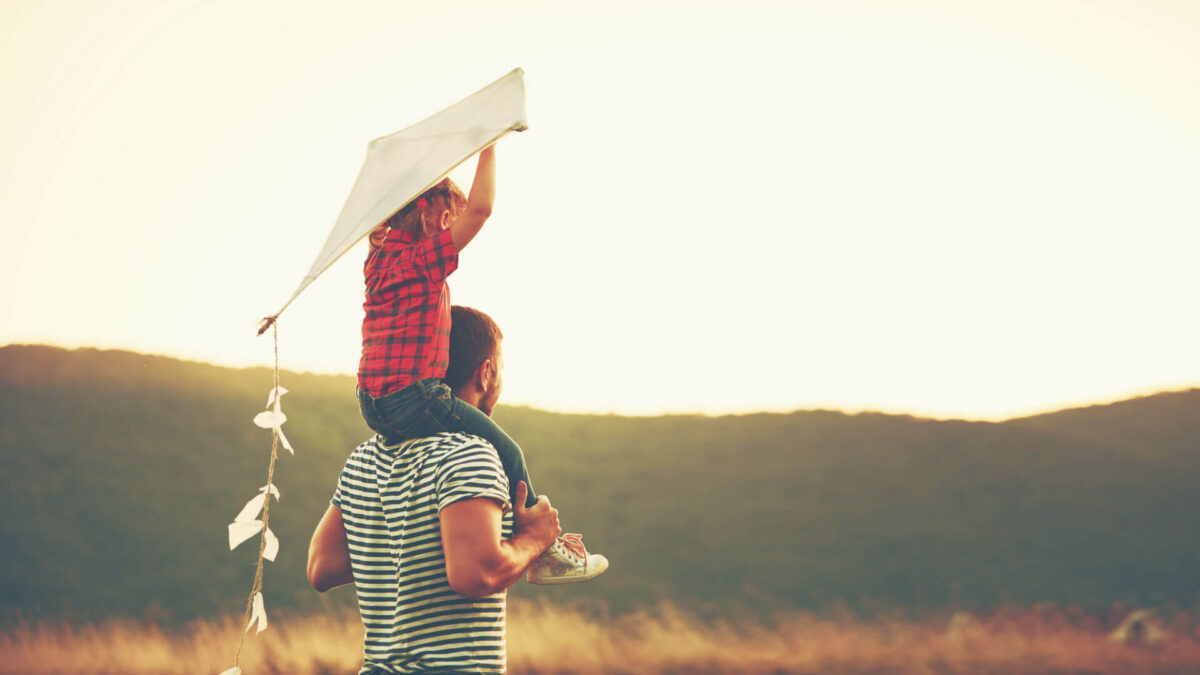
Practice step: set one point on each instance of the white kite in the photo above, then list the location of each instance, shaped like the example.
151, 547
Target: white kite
401, 166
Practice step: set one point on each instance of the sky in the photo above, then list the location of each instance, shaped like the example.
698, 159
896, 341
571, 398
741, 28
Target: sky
945, 208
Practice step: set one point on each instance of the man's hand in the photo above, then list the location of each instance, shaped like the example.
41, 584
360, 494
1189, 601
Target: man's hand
539, 522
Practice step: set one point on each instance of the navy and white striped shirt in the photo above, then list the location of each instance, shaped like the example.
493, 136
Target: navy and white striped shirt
390, 497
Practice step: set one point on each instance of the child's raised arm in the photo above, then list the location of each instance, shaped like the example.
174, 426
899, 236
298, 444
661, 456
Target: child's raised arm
479, 202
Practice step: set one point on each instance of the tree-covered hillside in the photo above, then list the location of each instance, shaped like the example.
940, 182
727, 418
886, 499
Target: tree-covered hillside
121, 471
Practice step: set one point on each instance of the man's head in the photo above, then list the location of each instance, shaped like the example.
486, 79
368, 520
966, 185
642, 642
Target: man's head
475, 360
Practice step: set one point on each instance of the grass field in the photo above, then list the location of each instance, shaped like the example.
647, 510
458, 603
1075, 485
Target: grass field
545, 640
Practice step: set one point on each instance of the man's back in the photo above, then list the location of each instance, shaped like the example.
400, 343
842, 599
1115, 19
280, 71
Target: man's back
390, 497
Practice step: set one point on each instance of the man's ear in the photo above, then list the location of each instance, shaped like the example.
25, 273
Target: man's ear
485, 375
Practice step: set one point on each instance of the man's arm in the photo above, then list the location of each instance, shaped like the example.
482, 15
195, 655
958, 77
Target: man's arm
479, 202
329, 553
478, 561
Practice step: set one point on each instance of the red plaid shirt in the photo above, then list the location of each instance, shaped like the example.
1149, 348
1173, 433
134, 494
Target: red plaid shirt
406, 330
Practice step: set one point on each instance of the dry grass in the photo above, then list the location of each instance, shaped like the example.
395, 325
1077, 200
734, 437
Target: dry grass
545, 640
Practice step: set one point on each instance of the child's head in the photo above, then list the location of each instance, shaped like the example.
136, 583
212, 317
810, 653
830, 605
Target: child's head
428, 214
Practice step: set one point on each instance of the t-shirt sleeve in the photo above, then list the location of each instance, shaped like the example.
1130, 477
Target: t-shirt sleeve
473, 471
354, 475
339, 490
337, 495
435, 256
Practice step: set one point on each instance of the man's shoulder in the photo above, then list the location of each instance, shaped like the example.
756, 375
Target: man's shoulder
446, 439
443, 445
466, 467
453, 445
438, 456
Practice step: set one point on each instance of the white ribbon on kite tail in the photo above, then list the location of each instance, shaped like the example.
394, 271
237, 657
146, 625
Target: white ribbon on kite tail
401, 166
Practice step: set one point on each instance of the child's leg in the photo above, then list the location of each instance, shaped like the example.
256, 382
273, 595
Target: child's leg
428, 407
401, 415
458, 415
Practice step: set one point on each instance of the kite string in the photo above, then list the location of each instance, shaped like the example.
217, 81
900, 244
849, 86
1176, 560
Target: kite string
256, 587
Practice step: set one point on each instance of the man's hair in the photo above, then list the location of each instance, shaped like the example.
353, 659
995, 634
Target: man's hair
474, 337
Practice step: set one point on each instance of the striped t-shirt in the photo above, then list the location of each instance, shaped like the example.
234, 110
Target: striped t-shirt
390, 497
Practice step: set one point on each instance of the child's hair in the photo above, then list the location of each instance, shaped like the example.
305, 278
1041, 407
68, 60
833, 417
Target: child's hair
443, 196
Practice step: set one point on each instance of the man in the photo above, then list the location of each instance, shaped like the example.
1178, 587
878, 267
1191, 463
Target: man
425, 531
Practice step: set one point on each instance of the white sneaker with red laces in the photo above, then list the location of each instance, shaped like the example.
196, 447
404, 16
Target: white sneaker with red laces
566, 562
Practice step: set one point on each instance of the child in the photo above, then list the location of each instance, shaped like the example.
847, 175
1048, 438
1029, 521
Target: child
406, 342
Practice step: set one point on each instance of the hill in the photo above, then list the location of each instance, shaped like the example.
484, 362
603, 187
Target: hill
121, 470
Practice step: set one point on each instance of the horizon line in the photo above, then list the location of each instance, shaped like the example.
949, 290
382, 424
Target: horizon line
781, 410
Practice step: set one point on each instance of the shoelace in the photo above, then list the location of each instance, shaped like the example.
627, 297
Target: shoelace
574, 543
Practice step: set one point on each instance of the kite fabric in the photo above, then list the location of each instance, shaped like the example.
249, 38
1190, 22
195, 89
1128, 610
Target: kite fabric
401, 166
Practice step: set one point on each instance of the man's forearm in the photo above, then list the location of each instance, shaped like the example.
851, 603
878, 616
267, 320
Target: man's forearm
519, 553
479, 561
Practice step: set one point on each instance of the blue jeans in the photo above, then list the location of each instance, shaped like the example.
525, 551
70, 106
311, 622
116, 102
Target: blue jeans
427, 407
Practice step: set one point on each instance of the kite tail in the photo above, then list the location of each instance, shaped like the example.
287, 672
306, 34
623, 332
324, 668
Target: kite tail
257, 586
266, 323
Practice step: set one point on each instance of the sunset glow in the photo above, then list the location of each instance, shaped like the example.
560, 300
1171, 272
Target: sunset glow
933, 207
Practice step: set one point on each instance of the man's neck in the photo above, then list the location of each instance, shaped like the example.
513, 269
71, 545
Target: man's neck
469, 395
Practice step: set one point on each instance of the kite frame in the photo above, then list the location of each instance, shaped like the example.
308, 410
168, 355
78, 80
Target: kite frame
519, 126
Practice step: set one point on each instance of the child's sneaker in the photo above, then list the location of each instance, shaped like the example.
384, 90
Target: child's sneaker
566, 562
